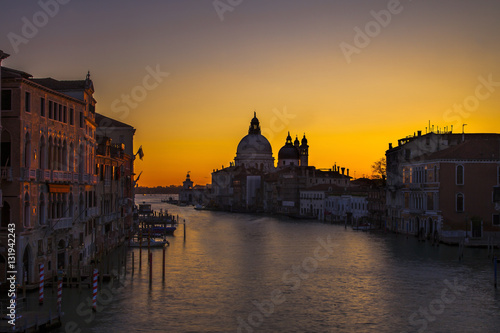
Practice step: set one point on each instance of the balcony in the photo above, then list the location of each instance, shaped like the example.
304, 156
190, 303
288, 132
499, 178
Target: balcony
93, 212
62, 223
84, 178
28, 174
7, 174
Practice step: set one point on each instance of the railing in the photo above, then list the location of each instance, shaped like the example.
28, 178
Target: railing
75, 178
108, 218
84, 178
62, 223
92, 212
7, 173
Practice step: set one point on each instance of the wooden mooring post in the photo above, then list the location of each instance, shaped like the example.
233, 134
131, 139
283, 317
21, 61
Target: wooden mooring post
132, 263
461, 246
495, 271
163, 265
184, 230
140, 249
150, 269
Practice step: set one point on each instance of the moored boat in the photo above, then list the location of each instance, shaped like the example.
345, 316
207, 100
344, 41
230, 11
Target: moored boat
144, 242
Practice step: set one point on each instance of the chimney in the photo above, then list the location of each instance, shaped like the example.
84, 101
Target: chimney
347, 172
390, 145
343, 170
419, 133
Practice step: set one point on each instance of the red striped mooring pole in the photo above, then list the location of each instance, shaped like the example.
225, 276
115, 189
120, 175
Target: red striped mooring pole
59, 294
42, 280
94, 291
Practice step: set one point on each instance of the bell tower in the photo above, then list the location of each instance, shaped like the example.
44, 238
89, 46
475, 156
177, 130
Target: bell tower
304, 152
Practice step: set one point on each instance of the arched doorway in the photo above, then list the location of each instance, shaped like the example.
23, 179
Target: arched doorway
430, 223
61, 254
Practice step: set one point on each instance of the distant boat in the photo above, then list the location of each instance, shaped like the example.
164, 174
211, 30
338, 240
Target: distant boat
199, 207
144, 242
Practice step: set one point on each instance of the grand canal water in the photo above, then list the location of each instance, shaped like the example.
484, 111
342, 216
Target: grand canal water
245, 273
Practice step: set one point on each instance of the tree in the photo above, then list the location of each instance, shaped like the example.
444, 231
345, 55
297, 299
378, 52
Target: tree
379, 169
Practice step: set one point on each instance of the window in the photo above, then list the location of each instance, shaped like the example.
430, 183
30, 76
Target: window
65, 114
27, 102
460, 174
460, 202
81, 119
496, 219
51, 106
6, 100
42, 107
60, 112
430, 201
55, 112
71, 116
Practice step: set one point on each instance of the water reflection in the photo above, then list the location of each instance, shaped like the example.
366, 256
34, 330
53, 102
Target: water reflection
231, 268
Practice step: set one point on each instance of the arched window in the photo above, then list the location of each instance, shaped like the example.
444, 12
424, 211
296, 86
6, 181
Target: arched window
42, 160
27, 212
5, 149
81, 159
460, 202
64, 156
41, 210
50, 157
27, 151
460, 174
71, 157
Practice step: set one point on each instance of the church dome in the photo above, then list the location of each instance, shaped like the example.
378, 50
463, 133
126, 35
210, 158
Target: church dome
254, 151
288, 151
253, 144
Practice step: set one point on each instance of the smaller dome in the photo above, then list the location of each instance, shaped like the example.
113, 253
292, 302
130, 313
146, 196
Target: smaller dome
304, 140
288, 151
296, 142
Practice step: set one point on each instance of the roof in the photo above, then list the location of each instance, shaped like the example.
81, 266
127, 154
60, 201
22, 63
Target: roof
477, 148
14, 73
61, 85
103, 121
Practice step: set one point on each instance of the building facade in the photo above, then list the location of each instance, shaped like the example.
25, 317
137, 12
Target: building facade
50, 175
48, 179
452, 193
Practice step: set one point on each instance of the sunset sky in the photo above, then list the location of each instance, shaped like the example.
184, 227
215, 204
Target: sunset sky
406, 64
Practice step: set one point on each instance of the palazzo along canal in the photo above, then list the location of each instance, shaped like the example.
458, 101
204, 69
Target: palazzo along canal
245, 273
